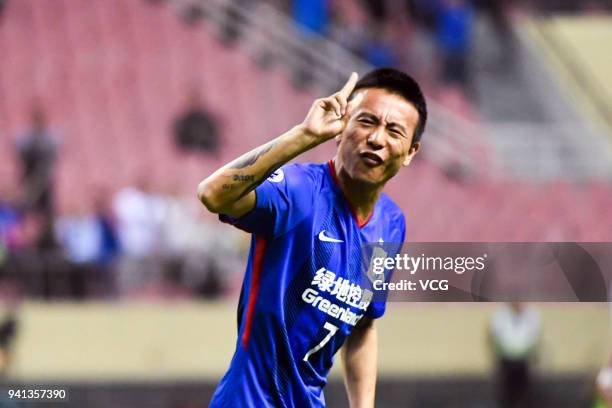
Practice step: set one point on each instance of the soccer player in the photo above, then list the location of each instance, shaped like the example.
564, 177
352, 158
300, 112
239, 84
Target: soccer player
302, 298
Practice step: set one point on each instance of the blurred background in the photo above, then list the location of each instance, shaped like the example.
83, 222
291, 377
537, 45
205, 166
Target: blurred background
118, 286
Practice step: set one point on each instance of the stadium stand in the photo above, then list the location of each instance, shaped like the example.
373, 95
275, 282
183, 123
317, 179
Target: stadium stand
576, 46
114, 76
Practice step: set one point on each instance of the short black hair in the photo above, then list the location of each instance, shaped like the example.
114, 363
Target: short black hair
399, 83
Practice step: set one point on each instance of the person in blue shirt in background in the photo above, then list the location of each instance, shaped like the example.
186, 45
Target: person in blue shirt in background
454, 33
303, 297
311, 16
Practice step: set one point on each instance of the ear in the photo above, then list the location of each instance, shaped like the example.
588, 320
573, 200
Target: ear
414, 149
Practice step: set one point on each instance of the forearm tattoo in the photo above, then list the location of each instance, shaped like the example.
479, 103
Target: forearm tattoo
251, 158
249, 182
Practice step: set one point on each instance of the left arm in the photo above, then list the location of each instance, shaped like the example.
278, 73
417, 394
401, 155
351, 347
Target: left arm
359, 360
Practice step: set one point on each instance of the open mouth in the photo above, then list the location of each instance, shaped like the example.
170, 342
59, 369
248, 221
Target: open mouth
371, 159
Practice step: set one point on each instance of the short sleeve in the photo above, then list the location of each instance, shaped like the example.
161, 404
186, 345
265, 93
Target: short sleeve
377, 308
282, 201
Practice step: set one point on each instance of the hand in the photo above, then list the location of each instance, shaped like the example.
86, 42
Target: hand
328, 117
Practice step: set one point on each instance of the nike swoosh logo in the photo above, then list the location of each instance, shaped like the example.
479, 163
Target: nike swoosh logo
325, 238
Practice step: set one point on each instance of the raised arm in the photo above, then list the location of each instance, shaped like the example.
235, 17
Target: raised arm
229, 190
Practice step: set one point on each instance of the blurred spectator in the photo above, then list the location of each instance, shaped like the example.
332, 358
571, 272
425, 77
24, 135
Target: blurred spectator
24, 261
376, 50
420, 54
46, 241
604, 387
81, 236
312, 16
348, 28
514, 338
8, 330
109, 238
454, 30
424, 12
140, 215
2, 6
196, 129
89, 242
10, 225
497, 12
180, 226
199, 253
3, 258
37, 151
377, 10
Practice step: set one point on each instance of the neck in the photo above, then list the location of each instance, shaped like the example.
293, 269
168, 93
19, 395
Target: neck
361, 196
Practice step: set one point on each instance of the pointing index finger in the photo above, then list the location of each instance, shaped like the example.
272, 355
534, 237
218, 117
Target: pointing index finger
350, 85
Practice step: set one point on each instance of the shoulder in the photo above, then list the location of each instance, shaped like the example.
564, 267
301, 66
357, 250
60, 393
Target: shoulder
312, 170
298, 175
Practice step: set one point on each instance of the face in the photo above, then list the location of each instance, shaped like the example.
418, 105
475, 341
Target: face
377, 140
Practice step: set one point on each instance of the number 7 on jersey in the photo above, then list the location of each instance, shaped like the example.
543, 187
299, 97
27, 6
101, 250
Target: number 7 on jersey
332, 330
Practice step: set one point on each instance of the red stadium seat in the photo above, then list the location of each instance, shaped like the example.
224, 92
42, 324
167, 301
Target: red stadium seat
114, 74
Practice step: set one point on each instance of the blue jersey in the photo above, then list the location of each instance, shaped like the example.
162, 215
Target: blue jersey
303, 290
